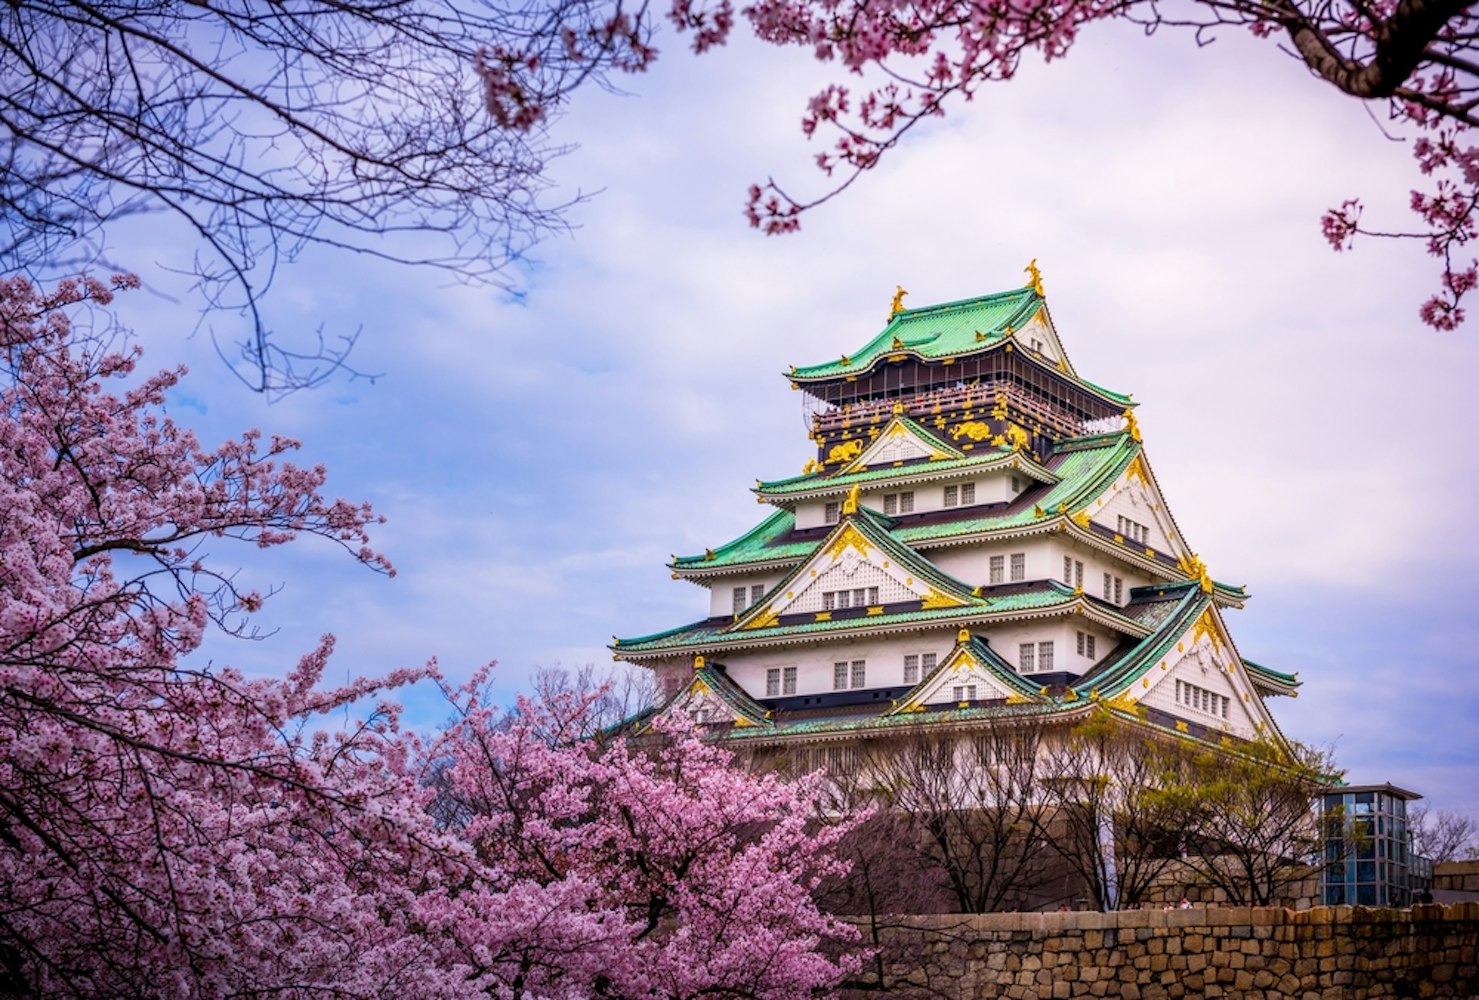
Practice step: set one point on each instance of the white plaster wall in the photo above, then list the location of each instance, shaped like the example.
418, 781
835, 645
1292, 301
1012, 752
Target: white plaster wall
1132, 499
721, 590
811, 514
884, 655
1206, 667
1007, 639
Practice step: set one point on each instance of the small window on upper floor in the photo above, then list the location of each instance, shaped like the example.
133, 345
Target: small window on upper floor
898, 503
952, 496
740, 594
1019, 566
965, 692
1017, 485
998, 569
1132, 530
757, 591
1027, 658
831, 512
1085, 644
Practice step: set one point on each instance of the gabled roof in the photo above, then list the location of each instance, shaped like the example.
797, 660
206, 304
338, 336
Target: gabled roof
861, 535
1078, 469
1013, 602
814, 485
901, 426
971, 661
952, 330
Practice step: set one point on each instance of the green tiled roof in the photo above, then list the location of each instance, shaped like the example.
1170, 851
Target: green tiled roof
1278, 677
1084, 467
940, 331
817, 480
1045, 595
948, 330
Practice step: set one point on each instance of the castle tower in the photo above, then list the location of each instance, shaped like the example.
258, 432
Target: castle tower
979, 537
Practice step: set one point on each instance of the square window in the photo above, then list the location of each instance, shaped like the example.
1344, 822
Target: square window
998, 568
872, 595
844, 598
788, 685
859, 597
772, 682
952, 496
927, 662
958, 693
967, 494
1019, 566
1026, 657
859, 669
839, 677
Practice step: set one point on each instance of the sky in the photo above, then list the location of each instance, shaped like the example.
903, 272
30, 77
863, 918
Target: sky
540, 452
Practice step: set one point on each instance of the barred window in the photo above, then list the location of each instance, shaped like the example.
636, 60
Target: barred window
1019, 566
859, 668
1027, 657
788, 680
1045, 655
967, 494
952, 496
756, 592
831, 513
739, 599
965, 692
773, 682
998, 569
839, 676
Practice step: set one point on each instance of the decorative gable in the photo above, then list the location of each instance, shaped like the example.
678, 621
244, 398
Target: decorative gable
971, 672
711, 699
856, 566
901, 440
1134, 510
1203, 680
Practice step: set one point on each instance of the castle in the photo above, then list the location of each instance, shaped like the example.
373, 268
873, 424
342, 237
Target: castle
980, 537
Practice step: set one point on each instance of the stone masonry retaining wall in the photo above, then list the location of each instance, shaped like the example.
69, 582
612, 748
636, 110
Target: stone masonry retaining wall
1327, 953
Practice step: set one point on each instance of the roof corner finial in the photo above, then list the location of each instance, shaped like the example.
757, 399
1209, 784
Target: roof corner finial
698, 662
898, 304
1132, 425
850, 505
1034, 277
963, 636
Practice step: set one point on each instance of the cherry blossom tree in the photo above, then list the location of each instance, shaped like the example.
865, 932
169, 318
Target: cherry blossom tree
650, 866
169, 829
1414, 59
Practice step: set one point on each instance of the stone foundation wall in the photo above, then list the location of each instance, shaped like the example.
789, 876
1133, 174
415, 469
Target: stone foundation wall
1456, 882
1327, 953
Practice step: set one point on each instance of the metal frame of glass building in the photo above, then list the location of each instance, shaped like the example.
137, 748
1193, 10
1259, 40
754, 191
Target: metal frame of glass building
1368, 859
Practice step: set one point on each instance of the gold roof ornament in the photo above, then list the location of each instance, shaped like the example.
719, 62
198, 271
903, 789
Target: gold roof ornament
898, 304
1034, 277
850, 505
709, 555
898, 409
698, 662
1132, 425
963, 636
898, 344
